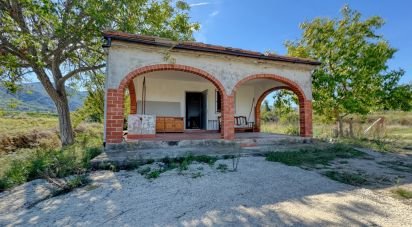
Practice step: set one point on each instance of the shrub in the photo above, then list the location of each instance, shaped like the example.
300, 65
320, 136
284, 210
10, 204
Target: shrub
48, 164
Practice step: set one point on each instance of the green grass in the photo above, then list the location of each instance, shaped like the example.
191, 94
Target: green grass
347, 178
314, 156
402, 193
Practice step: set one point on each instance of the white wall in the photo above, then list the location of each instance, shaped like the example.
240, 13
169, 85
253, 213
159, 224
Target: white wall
173, 90
164, 90
125, 57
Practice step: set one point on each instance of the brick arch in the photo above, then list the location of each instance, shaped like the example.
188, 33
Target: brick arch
133, 101
305, 105
293, 86
173, 67
115, 100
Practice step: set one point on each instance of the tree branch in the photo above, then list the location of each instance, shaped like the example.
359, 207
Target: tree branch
78, 70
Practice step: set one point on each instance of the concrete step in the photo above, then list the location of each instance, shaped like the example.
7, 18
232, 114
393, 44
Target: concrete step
148, 144
122, 158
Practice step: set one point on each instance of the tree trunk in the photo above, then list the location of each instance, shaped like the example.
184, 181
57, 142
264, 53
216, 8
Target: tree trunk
65, 124
351, 128
340, 124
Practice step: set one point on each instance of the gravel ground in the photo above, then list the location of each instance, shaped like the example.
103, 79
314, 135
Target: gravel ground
259, 193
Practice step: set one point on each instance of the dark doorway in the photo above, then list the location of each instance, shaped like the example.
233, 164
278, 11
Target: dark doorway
195, 110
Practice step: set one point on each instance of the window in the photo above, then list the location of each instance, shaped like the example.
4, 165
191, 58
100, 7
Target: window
218, 102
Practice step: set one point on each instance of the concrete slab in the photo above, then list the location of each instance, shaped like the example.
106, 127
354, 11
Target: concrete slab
156, 149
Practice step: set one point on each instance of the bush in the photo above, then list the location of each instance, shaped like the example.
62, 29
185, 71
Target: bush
48, 164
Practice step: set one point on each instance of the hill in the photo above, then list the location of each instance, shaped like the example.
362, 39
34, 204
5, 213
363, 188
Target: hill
33, 98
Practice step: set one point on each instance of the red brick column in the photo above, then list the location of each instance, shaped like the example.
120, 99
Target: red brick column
305, 109
228, 117
257, 117
132, 93
114, 116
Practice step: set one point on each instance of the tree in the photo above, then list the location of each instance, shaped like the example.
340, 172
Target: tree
354, 60
93, 106
266, 107
284, 102
57, 41
395, 96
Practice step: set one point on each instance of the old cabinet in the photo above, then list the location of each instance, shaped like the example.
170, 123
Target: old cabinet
169, 124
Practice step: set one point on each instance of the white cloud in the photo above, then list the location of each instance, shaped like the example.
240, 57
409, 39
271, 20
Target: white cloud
214, 13
199, 4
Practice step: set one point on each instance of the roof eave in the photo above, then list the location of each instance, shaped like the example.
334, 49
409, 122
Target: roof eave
153, 42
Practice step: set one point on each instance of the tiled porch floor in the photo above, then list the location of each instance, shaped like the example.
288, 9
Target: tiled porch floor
203, 134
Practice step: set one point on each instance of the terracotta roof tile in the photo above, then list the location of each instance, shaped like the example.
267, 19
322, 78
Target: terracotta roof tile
198, 46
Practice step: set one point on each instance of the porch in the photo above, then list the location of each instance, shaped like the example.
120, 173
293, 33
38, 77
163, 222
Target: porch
197, 143
213, 135
195, 87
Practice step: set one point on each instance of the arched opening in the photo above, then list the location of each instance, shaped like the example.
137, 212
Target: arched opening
257, 87
179, 98
278, 111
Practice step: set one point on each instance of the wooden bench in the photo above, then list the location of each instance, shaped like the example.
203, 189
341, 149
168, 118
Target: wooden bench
241, 124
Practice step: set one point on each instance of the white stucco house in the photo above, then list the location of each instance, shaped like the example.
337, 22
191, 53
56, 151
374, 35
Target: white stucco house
191, 87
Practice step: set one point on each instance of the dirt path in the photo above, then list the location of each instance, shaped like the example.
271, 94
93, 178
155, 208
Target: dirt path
259, 193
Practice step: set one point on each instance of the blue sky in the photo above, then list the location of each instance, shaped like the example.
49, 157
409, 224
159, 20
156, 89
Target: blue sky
264, 25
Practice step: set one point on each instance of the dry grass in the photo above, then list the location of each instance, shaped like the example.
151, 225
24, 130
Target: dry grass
394, 136
30, 147
280, 128
22, 122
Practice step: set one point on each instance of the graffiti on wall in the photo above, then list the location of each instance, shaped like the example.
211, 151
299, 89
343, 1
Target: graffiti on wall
141, 124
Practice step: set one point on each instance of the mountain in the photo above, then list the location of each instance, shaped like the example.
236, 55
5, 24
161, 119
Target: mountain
34, 98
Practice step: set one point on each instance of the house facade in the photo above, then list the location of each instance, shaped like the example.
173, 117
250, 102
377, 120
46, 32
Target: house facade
195, 86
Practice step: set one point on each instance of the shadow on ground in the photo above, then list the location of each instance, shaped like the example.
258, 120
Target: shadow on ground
259, 193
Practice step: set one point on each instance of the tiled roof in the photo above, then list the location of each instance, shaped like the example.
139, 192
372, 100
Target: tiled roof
202, 47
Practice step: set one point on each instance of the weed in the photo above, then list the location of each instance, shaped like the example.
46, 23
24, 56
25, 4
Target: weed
402, 193
180, 163
144, 171
226, 156
222, 167
235, 161
184, 165
132, 165
197, 174
314, 156
154, 174
346, 178
69, 184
